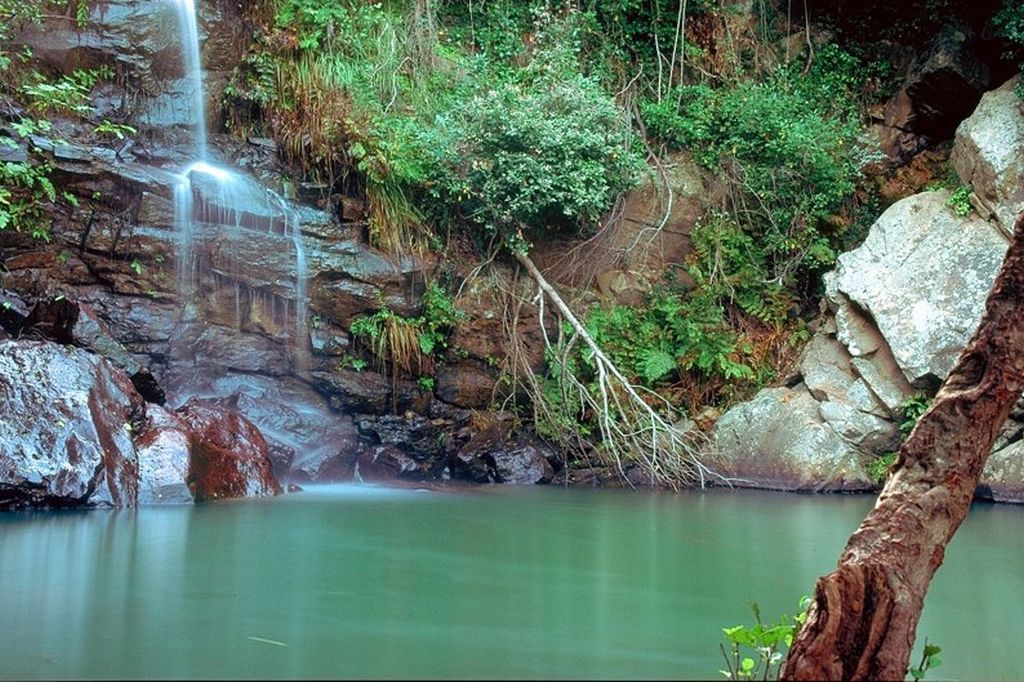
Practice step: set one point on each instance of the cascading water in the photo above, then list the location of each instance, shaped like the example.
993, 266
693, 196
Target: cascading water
193, 70
212, 200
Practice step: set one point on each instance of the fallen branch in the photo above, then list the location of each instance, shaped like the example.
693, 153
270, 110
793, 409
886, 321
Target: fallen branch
631, 430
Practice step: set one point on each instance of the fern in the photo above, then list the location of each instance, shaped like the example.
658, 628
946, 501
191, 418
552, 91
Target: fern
655, 364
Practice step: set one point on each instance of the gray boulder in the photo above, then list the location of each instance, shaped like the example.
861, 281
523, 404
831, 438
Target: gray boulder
922, 276
989, 154
164, 452
1003, 477
779, 440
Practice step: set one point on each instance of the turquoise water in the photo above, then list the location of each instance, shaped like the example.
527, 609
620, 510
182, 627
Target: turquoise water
359, 581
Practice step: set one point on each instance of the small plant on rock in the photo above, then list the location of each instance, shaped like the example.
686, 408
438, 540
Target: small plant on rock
960, 201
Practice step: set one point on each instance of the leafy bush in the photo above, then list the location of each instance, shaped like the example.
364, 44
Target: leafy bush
68, 94
26, 189
789, 149
1009, 24
540, 154
667, 336
405, 343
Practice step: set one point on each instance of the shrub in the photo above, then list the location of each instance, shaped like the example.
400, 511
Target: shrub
547, 155
789, 149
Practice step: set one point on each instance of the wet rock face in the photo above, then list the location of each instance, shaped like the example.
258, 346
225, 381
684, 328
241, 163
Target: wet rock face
230, 457
66, 432
141, 40
68, 322
164, 450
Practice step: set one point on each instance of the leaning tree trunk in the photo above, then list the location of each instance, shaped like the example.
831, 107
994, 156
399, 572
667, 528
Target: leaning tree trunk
864, 614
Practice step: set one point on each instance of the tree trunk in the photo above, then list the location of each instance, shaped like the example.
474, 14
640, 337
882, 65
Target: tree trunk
863, 617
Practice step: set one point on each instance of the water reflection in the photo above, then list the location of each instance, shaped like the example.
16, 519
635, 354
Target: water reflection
368, 582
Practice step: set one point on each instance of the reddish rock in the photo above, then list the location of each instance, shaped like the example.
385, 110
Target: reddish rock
230, 457
467, 385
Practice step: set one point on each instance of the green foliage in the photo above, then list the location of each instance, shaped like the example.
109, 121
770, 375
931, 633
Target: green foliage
566, 415
667, 336
440, 317
911, 410
879, 467
960, 201
26, 189
67, 94
929, 659
757, 651
731, 266
541, 154
118, 130
788, 146
1009, 24
441, 119
404, 342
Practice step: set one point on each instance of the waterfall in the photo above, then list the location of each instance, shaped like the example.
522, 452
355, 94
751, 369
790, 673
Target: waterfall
293, 228
193, 70
211, 197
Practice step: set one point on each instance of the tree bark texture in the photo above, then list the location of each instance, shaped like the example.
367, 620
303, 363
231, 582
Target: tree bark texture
863, 615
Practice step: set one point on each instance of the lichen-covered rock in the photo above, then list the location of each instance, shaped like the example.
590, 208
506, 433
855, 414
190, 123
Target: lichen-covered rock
922, 275
66, 432
1003, 477
989, 154
780, 441
229, 454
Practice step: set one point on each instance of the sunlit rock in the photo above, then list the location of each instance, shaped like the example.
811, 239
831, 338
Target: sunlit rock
922, 275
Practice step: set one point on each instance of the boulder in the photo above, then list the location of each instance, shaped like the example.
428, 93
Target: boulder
69, 322
370, 392
780, 441
526, 464
1002, 480
466, 384
229, 454
989, 154
386, 462
922, 276
66, 433
164, 451
410, 432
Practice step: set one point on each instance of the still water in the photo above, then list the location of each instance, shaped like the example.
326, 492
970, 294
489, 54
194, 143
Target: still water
360, 582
